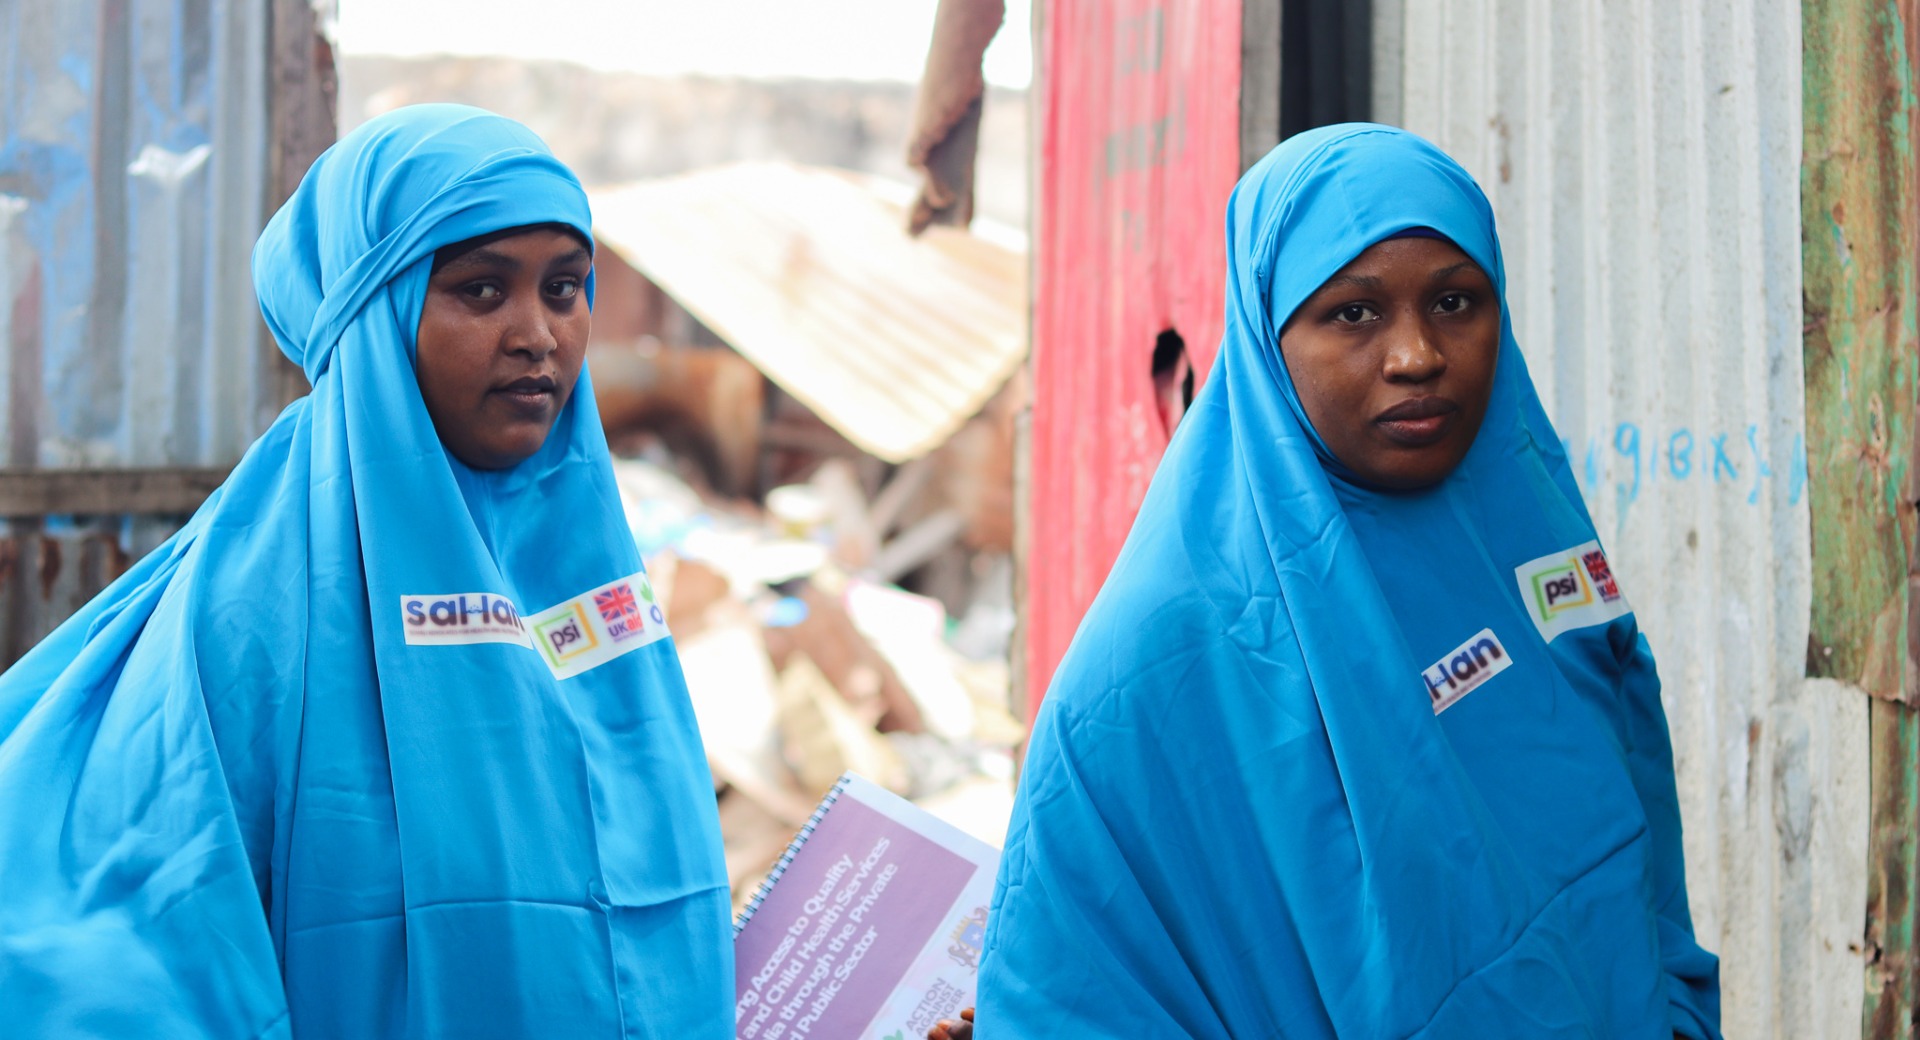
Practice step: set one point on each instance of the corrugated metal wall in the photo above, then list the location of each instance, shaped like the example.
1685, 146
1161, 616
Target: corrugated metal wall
1644, 160
136, 156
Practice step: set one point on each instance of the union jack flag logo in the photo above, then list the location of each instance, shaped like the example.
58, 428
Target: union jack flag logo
617, 604
1602, 575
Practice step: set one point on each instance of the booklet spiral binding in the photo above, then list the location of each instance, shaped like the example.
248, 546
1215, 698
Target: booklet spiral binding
793, 849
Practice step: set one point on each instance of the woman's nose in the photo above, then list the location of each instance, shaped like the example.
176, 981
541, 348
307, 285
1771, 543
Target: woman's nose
1412, 356
531, 332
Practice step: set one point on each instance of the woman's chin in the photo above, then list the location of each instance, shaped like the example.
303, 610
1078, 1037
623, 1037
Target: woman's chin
500, 452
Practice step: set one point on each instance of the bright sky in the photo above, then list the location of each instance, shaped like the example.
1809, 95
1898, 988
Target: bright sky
759, 39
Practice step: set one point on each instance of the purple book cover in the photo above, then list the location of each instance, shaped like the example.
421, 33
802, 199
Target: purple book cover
870, 926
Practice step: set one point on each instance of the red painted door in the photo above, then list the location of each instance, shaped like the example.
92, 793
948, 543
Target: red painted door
1140, 146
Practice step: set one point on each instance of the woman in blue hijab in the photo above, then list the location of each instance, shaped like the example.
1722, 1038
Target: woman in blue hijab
388, 740
1361, 738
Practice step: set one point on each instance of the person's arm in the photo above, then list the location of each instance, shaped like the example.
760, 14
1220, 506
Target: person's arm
1693, 974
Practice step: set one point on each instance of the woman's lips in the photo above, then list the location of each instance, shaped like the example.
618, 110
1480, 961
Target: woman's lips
532, 396
1418, 422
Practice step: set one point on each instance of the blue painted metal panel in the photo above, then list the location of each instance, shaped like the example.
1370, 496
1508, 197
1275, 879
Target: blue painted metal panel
135, 154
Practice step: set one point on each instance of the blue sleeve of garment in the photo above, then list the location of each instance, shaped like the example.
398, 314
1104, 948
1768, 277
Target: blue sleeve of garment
1693, 974
1074, 943
130, 906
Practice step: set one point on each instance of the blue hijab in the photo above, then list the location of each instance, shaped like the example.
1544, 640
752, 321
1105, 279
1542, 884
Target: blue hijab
1326, 761
379, 744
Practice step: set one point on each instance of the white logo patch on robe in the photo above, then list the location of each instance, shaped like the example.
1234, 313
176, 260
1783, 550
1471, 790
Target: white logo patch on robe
460, 619
598, 625
1570, 589
1466, 669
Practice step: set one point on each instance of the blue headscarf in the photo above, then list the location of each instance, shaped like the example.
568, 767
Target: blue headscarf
313, 766
1242, 813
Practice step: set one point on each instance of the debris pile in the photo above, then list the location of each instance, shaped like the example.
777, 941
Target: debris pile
804, 661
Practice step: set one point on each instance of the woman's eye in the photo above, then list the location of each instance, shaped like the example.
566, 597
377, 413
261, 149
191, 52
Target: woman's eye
564, 289
1353, 314
1452, 303
482, 291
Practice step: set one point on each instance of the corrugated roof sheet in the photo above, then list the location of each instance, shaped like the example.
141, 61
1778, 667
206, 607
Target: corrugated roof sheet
809, 272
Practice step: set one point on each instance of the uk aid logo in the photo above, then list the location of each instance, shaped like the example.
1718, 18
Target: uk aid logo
623, 612
1570, 589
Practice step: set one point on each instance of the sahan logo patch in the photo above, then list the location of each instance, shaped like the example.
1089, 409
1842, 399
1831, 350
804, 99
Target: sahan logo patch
459, 619
1466, 669
1570, 589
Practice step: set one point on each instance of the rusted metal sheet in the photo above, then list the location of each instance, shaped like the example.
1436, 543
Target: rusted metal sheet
1862, 352
1861, 213
138, 162
1139, 105
1892, 991
1644, 161
98, 492
894, 340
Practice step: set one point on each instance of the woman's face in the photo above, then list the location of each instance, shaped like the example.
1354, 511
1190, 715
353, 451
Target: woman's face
501, 340
1393, 359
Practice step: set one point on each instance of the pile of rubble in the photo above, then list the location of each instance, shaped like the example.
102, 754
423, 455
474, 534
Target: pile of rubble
804, 662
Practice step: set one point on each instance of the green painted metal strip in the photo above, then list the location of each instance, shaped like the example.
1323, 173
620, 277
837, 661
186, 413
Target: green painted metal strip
1860, 228
1857, 221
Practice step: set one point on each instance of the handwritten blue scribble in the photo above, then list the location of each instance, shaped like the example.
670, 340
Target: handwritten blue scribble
1679, 459
1626, 441
1631, 445
1761, 470
1720, 460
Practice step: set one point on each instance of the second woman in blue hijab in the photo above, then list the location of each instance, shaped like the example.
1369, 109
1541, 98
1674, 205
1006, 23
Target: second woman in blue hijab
390, 740
1361, 738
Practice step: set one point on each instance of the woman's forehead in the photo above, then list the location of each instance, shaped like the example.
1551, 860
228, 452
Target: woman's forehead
479, 246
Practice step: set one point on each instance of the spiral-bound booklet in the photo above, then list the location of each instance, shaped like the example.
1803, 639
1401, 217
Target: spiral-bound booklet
869, 927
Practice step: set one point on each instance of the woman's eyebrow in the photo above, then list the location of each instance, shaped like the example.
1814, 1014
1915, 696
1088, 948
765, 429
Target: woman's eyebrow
1448, 272
1371, 283
481, 256
579, 254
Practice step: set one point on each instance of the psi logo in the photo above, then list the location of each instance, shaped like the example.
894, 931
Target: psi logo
1559, 590
565, 637
1570, 589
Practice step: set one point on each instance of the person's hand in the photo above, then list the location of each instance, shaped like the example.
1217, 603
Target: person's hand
948, 1029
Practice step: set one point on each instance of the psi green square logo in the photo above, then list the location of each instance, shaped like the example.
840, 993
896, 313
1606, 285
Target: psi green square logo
1560, 589
566, 636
